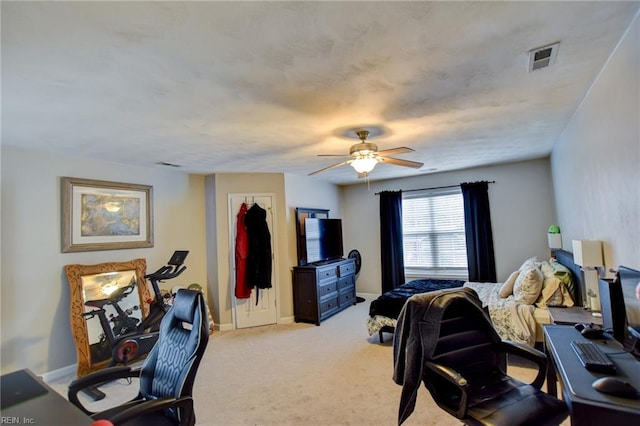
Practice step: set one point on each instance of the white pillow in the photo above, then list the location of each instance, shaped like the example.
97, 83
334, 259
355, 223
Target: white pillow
529, 263
528, 286
547, 269
506, 289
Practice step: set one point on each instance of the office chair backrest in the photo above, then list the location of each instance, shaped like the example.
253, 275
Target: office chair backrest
467, 340
171, 366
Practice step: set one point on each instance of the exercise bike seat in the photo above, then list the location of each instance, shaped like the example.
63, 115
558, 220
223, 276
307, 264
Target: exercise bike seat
115, 296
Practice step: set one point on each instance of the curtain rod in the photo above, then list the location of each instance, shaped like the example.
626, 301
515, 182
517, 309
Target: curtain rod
435, 187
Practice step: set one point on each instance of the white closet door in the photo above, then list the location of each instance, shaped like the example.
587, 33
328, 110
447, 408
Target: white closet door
247, 313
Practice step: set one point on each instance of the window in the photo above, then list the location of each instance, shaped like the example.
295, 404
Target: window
433, 233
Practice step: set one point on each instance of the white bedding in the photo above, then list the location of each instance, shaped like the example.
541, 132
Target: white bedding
512, 320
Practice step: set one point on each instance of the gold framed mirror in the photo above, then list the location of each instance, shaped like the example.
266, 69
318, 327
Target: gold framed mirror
107, 301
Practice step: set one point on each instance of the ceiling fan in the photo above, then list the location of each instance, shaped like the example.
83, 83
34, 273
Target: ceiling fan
365, 155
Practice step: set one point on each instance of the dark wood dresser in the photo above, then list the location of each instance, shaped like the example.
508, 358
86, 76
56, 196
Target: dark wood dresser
320, 291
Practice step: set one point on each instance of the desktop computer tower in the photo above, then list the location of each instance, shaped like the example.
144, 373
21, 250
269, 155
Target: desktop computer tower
612, 304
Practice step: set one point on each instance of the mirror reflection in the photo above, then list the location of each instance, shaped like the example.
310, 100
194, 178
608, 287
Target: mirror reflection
111, 309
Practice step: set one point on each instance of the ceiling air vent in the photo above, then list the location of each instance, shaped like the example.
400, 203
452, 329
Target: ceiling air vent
542, 57
164, 163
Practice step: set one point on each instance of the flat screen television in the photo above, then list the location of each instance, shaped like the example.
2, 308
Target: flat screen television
323, 239
630, 285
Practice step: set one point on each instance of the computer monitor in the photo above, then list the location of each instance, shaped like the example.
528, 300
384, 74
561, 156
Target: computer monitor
613, 312
630, 285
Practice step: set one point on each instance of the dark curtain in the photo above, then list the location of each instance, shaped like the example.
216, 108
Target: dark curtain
477, 224
391, 251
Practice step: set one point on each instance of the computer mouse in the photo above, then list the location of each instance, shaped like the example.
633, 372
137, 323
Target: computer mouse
592, 333
616, 387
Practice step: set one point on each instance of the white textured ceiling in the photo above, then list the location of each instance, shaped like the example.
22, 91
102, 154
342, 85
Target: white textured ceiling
265, 86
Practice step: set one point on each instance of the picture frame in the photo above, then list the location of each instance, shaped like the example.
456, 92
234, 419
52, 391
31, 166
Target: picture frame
103, 215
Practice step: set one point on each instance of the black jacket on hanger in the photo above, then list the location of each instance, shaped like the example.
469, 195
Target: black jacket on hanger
259, 264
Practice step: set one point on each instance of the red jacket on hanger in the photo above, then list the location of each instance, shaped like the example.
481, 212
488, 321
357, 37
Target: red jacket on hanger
243, 291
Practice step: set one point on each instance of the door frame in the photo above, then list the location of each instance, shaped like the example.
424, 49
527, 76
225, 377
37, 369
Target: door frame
232, 245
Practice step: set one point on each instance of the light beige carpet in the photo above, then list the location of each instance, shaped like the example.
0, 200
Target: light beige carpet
301, 374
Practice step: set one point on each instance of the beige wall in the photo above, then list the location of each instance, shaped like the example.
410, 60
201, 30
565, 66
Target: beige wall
521, 211
35, 296
596, 162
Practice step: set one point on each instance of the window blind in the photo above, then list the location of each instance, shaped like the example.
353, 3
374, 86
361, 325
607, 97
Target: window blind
433, 233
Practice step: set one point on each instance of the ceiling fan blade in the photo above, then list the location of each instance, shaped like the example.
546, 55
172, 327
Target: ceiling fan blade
333, 155
329, 167
394, 151
399, 162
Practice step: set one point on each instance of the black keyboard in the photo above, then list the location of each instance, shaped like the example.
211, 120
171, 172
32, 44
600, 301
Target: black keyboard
592, 358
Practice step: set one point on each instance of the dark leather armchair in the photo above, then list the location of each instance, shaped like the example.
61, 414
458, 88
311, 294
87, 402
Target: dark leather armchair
446, 340
167, 374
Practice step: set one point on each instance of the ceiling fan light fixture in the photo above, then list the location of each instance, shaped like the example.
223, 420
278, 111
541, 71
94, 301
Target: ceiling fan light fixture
364, 165
365, 156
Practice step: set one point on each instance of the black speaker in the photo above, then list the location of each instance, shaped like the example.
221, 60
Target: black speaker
612, 303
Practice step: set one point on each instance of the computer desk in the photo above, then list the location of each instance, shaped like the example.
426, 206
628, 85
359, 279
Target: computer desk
26, 399
587, 405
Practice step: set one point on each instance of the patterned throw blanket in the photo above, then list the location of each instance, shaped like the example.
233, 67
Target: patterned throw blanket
512, 320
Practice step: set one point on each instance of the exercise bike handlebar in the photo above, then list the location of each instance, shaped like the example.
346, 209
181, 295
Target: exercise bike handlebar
166, 273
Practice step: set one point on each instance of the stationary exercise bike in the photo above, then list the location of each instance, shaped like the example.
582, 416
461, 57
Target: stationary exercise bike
127, 337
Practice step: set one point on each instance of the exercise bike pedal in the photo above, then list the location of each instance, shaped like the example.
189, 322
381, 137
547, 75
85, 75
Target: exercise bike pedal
94, 393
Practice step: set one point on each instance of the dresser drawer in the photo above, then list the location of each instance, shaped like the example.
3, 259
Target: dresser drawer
329, 306
348, 297
348, 268
327, 289
328, 273
346, 282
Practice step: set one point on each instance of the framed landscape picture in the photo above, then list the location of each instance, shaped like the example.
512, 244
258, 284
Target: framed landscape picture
101, 215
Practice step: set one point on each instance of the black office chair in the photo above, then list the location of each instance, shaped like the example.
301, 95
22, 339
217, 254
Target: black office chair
447, 339
167, 374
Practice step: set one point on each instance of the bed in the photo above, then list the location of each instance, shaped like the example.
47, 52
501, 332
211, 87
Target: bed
384, 311
517, 315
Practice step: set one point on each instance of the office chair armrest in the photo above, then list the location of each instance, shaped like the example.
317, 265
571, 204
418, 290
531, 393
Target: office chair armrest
150, 406
97, 378
457, 380
532, 354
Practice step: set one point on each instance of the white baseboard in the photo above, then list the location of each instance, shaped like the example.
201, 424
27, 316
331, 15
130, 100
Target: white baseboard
230, 326
225, 327
368, 295
60, 373
286, 320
